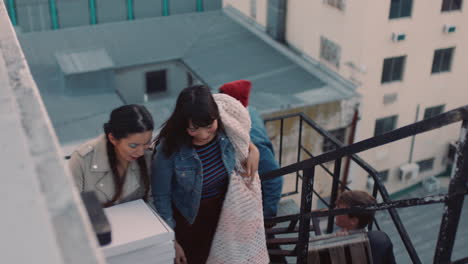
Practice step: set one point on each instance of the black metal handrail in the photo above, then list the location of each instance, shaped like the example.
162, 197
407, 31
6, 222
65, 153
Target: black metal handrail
438, 121
453, 201
379, 188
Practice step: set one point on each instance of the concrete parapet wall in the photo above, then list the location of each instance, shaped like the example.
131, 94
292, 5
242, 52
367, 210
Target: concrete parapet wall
43, 15
43, 219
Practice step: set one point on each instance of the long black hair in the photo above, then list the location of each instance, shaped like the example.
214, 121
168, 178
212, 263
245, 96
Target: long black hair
124, 121
196, 104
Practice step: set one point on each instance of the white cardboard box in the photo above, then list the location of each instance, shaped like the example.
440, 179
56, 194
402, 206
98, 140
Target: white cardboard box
139, 235
146, 255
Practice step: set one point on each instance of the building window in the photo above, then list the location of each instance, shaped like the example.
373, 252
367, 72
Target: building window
382, 175
339, 133
189, 79
340, 4
330, 51
450, 5
400, 8
426, 165
433, 111
393, 69
253, 9
156, 82
390, 98
384, 125
452, 151
442, 60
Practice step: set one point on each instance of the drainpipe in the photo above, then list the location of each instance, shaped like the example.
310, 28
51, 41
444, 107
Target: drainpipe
92, 12
350, 141
200, 6
165, 7
12, 12
413, 137
53, 14
130, 13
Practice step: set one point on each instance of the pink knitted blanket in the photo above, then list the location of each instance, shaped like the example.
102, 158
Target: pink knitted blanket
240, 235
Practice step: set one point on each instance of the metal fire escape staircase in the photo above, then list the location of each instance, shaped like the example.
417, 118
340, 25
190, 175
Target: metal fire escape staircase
303, 226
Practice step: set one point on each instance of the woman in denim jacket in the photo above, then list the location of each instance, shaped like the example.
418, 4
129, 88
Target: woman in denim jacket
190, 171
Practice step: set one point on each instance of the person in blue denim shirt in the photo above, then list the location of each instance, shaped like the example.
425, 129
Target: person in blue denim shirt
190, 171
271, 189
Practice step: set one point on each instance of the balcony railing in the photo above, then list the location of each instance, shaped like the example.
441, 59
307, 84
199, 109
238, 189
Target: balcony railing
305, 169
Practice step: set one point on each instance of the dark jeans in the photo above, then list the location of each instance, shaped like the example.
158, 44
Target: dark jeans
196, 239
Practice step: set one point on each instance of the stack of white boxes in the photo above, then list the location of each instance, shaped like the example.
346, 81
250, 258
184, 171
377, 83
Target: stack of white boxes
139, 235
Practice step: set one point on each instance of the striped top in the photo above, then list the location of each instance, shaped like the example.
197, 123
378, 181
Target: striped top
214, 172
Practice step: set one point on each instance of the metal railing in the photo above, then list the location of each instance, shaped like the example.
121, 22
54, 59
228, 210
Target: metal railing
453, 199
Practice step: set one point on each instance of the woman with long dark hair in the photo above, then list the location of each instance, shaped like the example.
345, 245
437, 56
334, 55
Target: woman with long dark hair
191, 169
116, 164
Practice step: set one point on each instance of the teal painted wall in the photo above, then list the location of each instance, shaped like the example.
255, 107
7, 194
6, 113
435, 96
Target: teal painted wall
40, 15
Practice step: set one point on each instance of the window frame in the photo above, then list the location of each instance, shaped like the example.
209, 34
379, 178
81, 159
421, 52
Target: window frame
400, 9
339, 133
394, 119
328, 47
451, 4
253, 9
382, 175
150, 76
388, 75
425, 168
433, 111
438, 68
338, 4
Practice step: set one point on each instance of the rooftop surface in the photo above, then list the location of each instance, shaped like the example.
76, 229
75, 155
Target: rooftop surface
211, 44
423, 224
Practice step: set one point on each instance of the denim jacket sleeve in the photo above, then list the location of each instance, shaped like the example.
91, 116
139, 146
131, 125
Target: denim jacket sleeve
162, 173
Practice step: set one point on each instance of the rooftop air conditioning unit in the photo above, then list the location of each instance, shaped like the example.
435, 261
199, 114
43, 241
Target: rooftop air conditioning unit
449, 29
431, 184
409, 172
396, 37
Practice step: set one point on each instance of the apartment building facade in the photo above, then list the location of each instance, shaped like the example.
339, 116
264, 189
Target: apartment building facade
407, 56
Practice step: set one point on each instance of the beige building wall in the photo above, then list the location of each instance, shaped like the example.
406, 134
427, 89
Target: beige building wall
256, 10
242, 5
364, 31
261, 12
424, 35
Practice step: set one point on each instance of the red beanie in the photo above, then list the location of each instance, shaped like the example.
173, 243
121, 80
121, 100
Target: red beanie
238, 89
